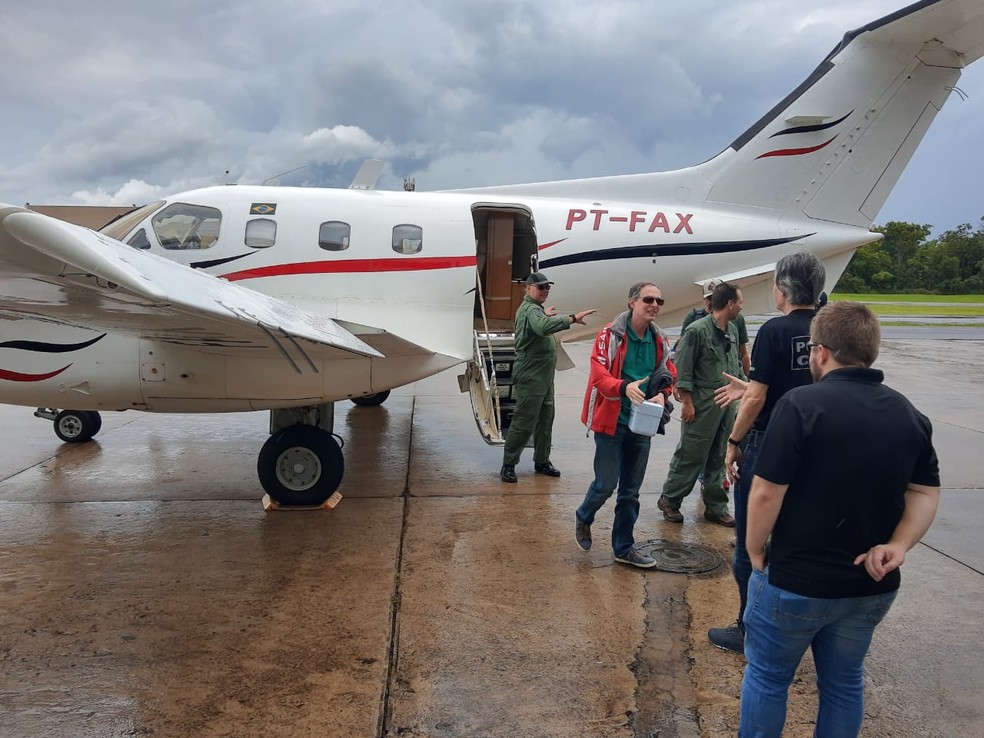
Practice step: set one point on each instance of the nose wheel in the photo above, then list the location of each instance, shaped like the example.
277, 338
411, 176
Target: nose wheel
300, 465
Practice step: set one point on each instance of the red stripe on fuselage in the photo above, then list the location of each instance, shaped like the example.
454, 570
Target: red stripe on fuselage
347, 266
794, 152
19, 377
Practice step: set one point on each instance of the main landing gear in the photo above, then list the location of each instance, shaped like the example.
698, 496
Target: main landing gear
72, 426
301, 463
371, 400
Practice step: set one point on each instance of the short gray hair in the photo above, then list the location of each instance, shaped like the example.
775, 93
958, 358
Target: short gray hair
636, 289
800, 278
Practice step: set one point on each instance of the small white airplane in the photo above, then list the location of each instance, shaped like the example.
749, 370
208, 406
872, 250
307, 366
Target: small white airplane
241, 298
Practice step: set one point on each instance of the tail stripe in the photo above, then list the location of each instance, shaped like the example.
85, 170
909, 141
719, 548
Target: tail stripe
794, 152
810, 129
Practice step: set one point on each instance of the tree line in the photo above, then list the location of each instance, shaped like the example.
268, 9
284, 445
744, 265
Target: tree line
905, 261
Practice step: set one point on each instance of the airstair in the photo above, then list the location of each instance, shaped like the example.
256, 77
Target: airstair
488, 381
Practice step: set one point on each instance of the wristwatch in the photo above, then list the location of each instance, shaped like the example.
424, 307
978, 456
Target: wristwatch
733, 442
573, 318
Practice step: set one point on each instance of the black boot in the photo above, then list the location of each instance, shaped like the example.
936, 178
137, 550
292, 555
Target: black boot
508, 473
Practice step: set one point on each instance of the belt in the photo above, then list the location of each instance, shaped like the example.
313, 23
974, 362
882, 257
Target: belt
754, 437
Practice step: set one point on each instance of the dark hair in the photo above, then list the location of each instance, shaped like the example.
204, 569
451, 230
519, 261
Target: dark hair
850, 331
722, 295
800, 278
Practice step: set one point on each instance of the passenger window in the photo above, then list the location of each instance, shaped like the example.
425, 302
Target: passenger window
334, 235
139, 240
182, 226
408, 239
261, 233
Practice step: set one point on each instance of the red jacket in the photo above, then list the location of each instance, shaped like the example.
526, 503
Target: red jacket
606, 388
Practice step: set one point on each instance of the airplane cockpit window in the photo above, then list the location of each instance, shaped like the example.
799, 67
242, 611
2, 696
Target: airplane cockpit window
334, 235
139, 240
408, 239
183, 226
126, 223
261, 233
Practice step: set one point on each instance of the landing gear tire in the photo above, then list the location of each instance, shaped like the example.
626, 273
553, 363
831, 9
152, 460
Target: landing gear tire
371, 400
300, 465
77, 426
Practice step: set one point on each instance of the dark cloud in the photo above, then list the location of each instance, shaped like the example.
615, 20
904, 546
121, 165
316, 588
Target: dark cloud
111, 100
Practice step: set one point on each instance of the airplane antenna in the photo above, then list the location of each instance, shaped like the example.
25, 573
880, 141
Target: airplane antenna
289, 171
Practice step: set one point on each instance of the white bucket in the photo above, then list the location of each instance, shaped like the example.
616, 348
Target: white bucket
644, 418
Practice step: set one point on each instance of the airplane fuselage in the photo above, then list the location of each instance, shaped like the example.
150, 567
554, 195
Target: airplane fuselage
417, 293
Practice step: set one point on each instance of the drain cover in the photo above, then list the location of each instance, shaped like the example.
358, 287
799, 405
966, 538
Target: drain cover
682, 558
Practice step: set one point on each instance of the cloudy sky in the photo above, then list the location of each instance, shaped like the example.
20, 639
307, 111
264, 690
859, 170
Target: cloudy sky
113, 102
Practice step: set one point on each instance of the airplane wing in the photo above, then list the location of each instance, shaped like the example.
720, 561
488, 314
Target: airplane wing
71, 275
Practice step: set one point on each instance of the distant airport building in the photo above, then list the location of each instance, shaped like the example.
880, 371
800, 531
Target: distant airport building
90, 216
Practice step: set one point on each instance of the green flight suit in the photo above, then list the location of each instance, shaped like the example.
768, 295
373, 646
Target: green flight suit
704, 353
533, 381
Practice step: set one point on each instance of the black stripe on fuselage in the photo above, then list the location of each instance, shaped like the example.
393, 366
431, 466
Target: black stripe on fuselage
673, 249
50, 348
217, 262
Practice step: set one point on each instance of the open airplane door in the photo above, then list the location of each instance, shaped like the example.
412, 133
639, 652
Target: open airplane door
506, 251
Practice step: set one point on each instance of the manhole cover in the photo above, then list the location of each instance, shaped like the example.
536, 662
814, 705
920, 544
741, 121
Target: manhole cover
682, 558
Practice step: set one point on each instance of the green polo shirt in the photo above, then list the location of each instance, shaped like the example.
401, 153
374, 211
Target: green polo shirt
640, 360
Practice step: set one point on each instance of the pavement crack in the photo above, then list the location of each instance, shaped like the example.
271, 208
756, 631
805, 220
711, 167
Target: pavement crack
393, 652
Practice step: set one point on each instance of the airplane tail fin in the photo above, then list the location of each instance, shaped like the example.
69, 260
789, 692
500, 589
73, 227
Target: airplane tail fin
834, 148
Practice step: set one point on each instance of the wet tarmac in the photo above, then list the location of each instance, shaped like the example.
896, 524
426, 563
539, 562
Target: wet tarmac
146, 592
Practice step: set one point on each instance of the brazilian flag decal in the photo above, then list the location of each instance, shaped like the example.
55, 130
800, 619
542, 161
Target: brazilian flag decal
263, 208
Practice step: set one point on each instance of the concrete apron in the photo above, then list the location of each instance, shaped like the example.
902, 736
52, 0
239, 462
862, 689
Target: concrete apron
146, 592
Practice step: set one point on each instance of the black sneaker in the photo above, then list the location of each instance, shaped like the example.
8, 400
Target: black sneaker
582, 534
635, 558
508, 473
731, 638
549, 469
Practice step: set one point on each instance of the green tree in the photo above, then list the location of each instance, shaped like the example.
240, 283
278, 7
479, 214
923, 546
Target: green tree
902, 240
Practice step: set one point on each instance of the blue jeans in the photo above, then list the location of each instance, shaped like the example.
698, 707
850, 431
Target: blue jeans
619, 461
779, 627
741, 565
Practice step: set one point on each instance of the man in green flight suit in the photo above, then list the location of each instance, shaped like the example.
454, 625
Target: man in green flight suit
709, 347
533, 378
699, 312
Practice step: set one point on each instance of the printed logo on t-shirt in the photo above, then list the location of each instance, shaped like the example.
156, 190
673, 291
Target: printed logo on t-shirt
800, 352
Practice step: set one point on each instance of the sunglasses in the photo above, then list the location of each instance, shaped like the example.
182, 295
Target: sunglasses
544, 287
649, 300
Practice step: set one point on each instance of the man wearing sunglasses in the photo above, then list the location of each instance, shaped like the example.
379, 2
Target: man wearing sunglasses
629, 355
709, 348
533, 378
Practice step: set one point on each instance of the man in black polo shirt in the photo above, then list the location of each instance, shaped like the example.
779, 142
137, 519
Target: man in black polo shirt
847, 481
780, 361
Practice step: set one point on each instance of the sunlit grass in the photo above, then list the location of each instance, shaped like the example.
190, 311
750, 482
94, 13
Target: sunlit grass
950, 311
907, 298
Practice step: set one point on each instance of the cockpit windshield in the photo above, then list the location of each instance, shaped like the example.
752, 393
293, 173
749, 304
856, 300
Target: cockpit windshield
120, 227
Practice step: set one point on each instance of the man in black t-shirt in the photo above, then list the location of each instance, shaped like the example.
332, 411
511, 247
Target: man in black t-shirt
847, 481
780, 362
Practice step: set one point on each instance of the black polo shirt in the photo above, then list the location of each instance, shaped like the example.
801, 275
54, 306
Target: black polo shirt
847, 446
780, 359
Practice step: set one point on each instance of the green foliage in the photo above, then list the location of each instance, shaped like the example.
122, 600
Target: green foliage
904, 261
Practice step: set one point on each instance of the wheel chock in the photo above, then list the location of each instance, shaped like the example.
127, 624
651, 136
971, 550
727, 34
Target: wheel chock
270, 505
